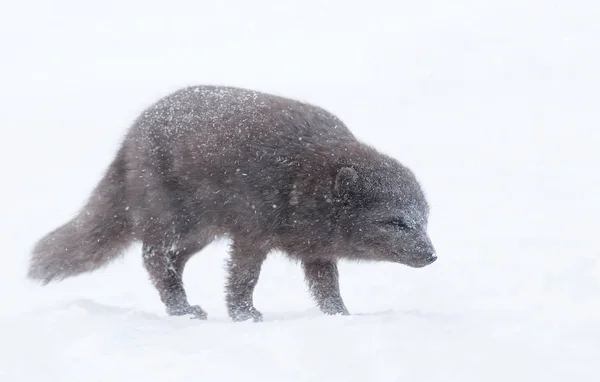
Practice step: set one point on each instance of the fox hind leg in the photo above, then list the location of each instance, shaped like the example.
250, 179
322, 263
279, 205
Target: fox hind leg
165, 266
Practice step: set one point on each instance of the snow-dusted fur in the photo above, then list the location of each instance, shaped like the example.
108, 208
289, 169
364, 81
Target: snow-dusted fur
265, 171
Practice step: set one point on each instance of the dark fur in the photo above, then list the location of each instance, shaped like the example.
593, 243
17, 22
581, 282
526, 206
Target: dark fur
267, 172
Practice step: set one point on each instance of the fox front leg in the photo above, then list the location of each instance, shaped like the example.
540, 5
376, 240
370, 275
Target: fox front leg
323, 282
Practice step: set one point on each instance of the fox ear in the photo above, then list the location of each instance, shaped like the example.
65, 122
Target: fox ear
344, 180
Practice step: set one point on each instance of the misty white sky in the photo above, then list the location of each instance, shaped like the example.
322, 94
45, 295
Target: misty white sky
514, 80
457, 91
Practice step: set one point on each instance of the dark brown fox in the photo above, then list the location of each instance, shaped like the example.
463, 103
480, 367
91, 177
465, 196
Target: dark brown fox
267, 172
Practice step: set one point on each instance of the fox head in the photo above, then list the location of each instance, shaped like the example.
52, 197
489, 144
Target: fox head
381, 214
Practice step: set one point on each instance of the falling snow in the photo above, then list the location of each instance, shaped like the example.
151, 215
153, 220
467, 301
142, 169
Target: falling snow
493, 104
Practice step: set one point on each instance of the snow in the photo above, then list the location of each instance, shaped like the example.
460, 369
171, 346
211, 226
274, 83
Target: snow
494, 105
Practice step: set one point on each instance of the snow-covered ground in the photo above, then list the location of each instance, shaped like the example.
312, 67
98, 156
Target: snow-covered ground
494, 104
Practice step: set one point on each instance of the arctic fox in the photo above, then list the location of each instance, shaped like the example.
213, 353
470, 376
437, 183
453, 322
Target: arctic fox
268, 173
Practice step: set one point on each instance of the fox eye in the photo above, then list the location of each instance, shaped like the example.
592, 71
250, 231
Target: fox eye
398, 223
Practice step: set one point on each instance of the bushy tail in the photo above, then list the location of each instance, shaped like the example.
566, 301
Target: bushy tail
98, 234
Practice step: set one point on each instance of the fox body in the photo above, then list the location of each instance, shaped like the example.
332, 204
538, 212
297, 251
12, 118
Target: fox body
268, 173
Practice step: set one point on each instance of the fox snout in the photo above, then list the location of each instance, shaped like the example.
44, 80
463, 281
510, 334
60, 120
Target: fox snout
426, 260
424, 253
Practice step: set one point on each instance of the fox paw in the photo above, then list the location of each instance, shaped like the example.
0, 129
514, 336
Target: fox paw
194, 310
334, 308
246, 314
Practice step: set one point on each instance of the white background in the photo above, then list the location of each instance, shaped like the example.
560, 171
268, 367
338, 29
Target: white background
493, 104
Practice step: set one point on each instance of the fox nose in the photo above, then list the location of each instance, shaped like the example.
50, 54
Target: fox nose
432, 258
